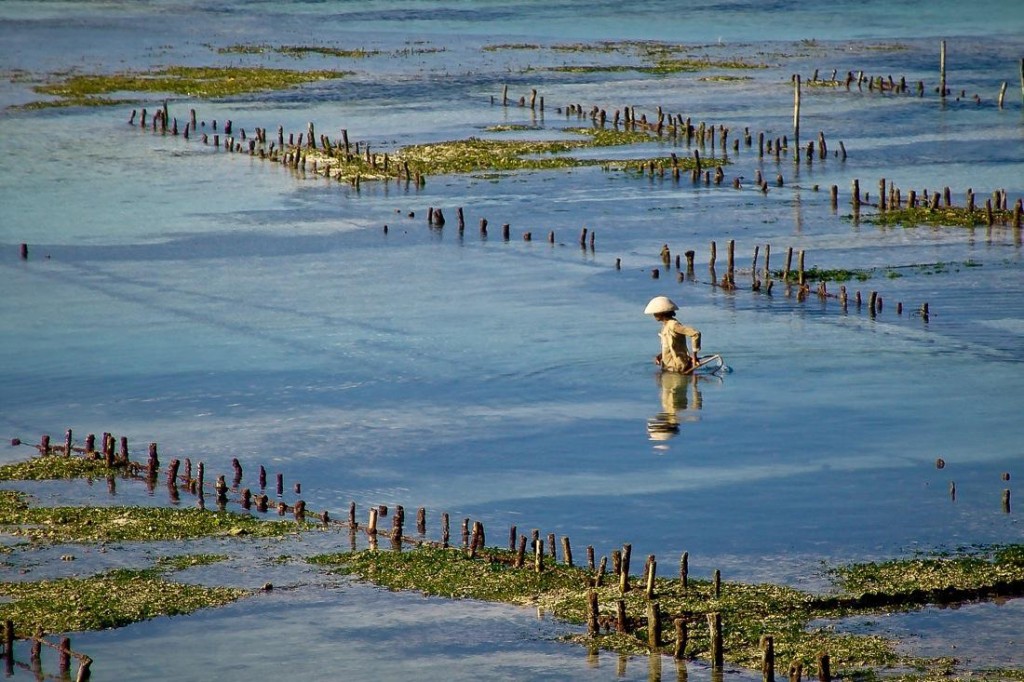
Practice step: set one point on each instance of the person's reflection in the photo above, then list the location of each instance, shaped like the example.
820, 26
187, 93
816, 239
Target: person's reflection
680, 400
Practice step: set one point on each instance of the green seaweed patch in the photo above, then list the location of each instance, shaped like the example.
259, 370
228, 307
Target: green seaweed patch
684, 65
182, 80
593, 68
474, 155
943, 216
816, 274
246, 48
510, 127
603, 47
299, 51
303, 50
180, 562
611, 137
1000, 569
51, 467
108, 600
724, 78
748, 611
75, 101
510, 46
127, 524
451, 573
663, 66
939, 268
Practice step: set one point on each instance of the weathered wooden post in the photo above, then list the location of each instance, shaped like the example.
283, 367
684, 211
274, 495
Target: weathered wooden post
653, 625
9, 640
624, 572
796, 108
601, 569
652, 570
621, 621
521, 552
84, 669
679, 653
824, 663
767, 658
715, 633
593, 628
942, 69
63, 656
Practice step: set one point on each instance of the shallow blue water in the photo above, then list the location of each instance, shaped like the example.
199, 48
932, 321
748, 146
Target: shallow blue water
226, 307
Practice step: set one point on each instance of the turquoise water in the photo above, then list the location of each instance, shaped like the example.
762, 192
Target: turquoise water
225, 307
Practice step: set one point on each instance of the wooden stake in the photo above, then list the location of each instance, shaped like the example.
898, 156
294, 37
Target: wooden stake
653, 625
715, 632
796, 108
767, 658
624, 573
679, 653
942, 69
824, 668
593, 628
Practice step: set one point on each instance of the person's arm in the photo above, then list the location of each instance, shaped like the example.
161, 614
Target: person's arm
694, 335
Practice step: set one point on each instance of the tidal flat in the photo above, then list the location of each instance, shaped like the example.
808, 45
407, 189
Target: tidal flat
219, 293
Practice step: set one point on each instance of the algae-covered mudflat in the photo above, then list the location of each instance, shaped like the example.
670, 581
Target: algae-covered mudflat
258, 271
625, 611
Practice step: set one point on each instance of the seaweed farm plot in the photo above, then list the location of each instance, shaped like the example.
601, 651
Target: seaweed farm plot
767, 627
374, 277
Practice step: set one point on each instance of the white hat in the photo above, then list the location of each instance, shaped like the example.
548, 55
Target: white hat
660, 304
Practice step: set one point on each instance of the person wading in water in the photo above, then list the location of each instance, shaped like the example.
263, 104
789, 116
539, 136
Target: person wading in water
676, 354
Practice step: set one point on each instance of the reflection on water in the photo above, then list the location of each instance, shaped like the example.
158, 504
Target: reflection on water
681, 400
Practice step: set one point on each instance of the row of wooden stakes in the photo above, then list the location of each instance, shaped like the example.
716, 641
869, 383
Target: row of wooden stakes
36, 642
473, 544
